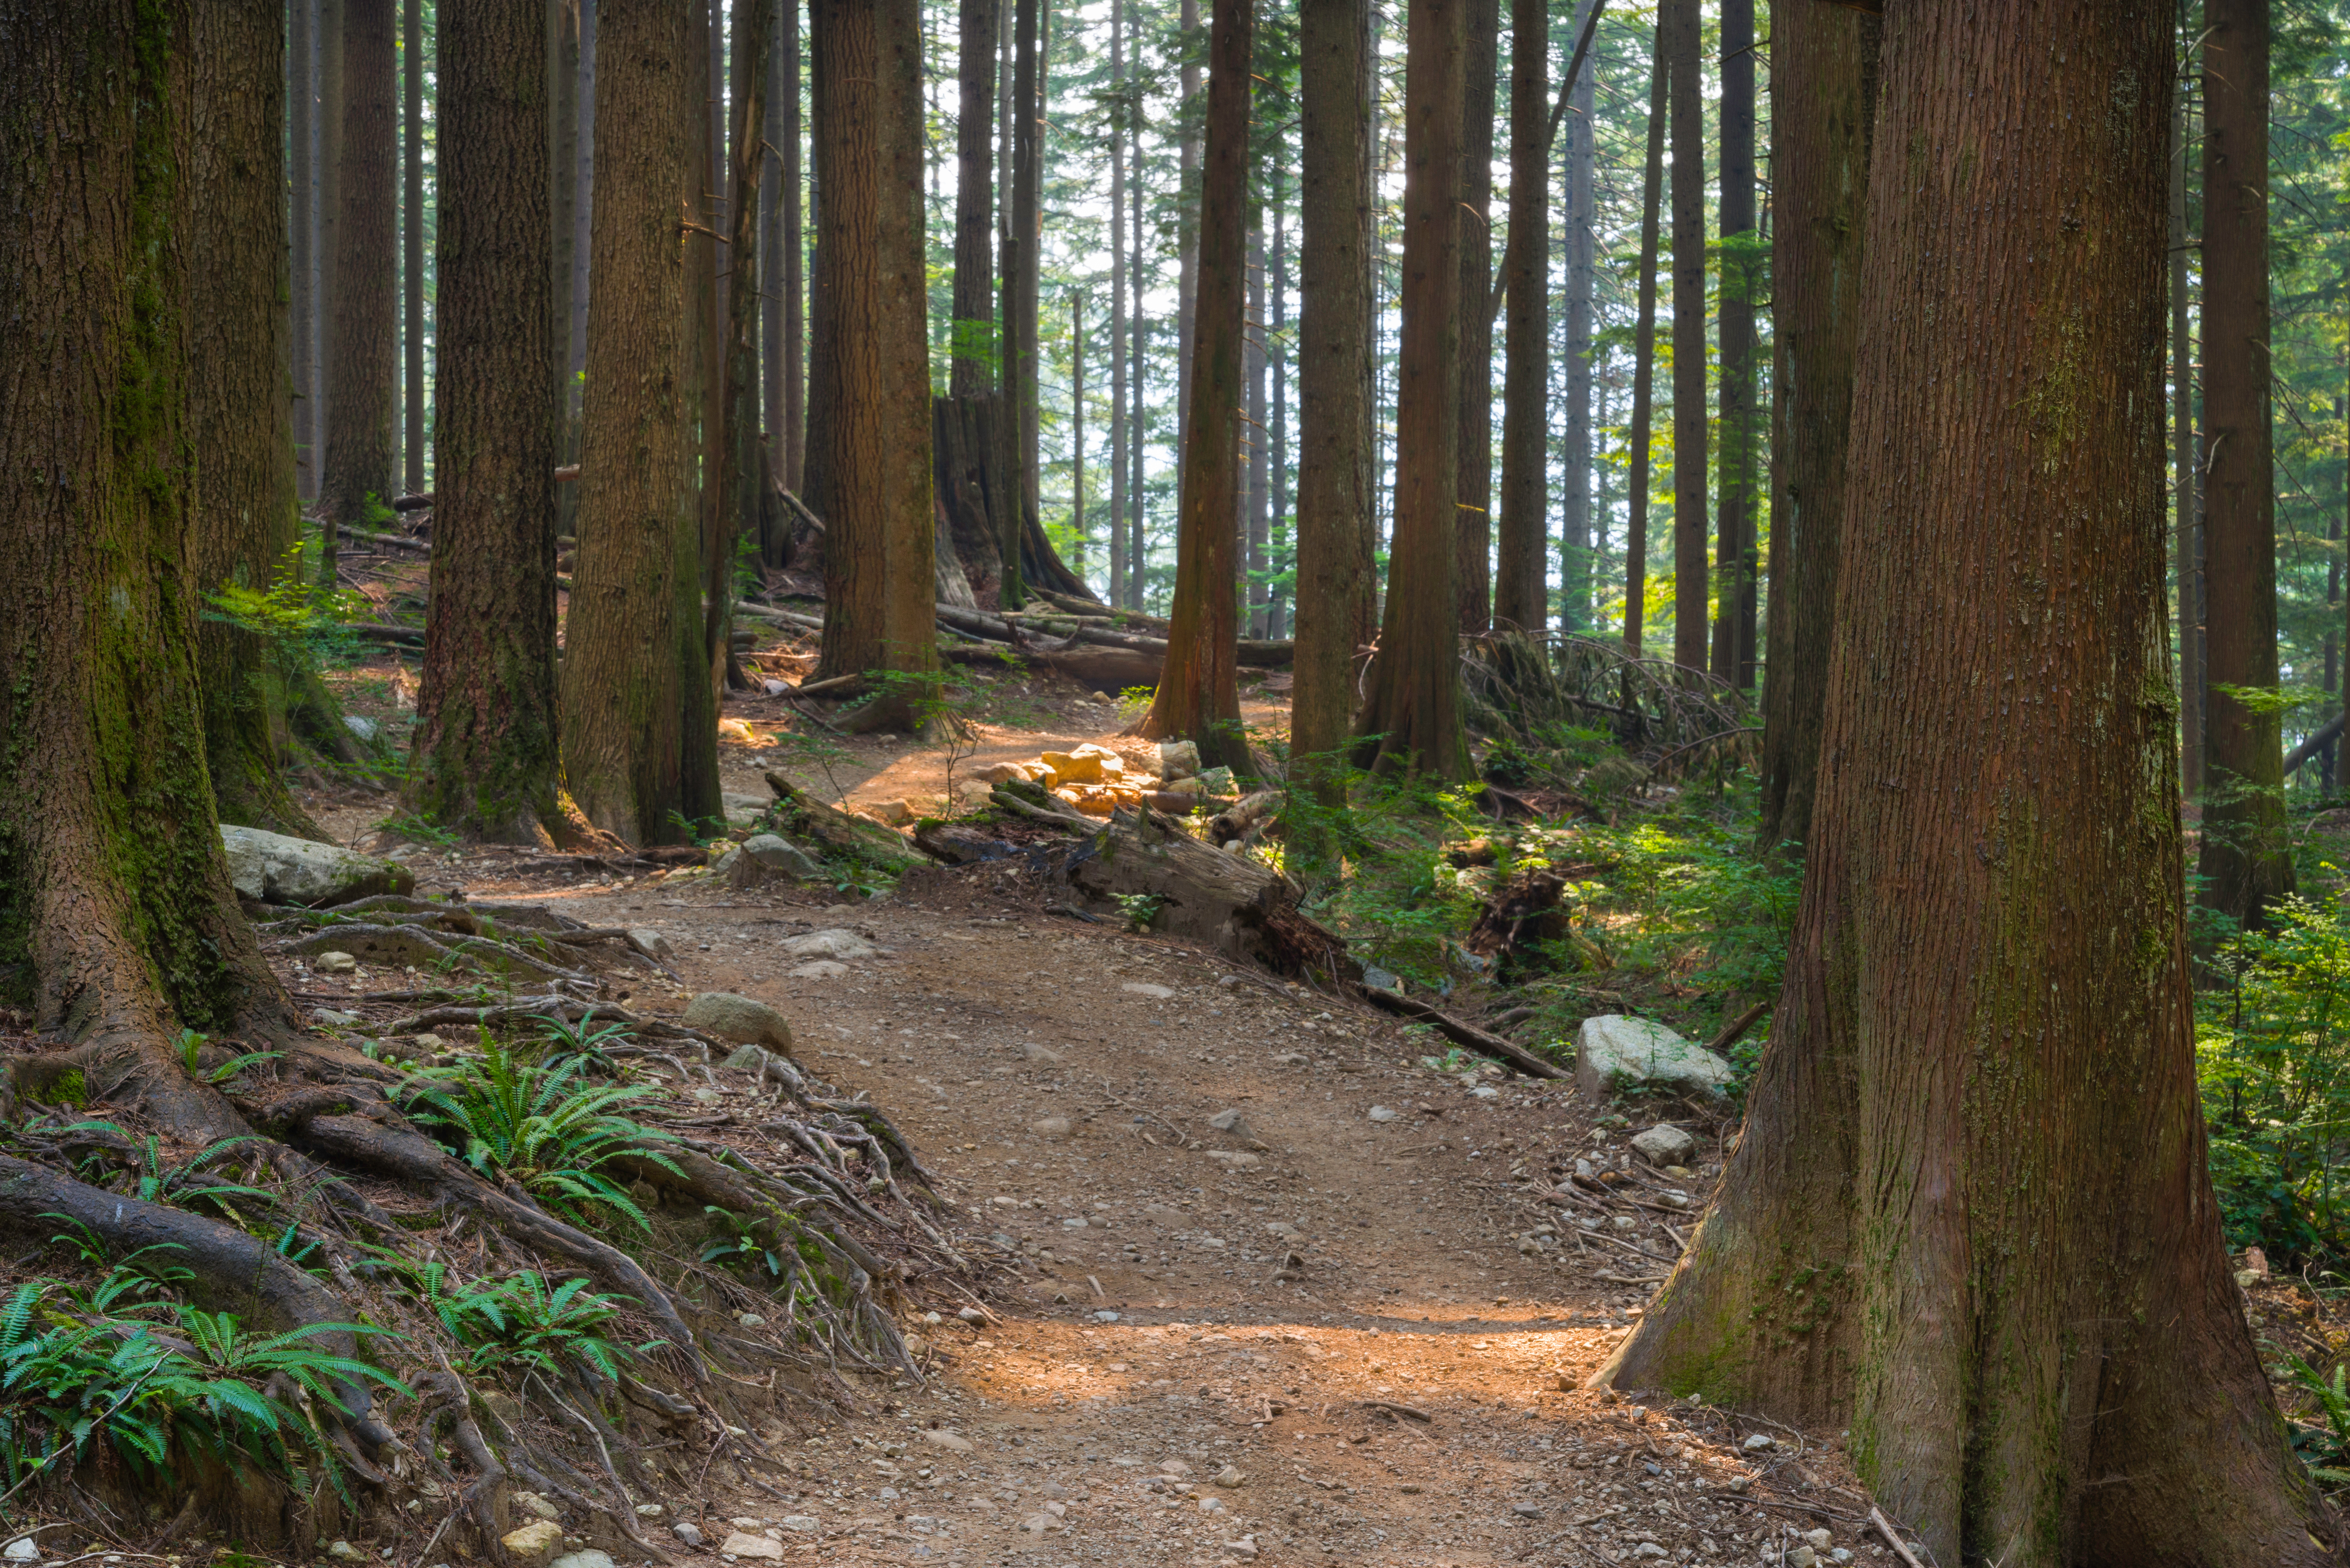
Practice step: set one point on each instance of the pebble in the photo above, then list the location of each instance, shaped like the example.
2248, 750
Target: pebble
1235, 1158
531, 1503
22, 1550
972, 1316
1801, 1557
1383, 1114
1050, 1126
1664, 1145
955, 1441
1526, 1509
800, 1523
1759, 1442
1144, 988
1230, 1476
1818, 1540
344, 1552
755, 1546
1105, 1315
583, 1560
334, 963
684, 1531
1230, 1121
649, 1511
1244, 1548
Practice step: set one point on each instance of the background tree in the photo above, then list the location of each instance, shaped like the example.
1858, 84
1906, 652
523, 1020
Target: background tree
1521, 582
632, 637
1823, 60
1677, 36
873, 377
739, 492
485, 753
1957, 1013
1199, 692
1473, 508
362, 322
1733, 633
1412, 715
2244, 862
1644, 351
411, 240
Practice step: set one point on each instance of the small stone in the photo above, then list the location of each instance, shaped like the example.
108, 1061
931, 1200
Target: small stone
800, 1523
537, 1507
534, 1542
1105, 1315
955, 1442
916, 1346
651, 942
590, 1559
749, 1319
1179, 760
1664, 1144
1230, 1121
1212, 1505
1759, 1443
1071, 767
334, 963
1147, 987
847, 947
649, 1511
738, 1020
1235, 1158
753, 1059
344, 1552
757, 1547
745, 1523
1613, 1052
1819, 1539
890, 811
972, 1316
817, 968
1650, 1549
24, 1549
1230, 1476
1801, 1557
1379, 979
334, 1017
1244, 1549
1841, 1554
1291, 1059
1526, 1509
1383, 1112
1050, 1126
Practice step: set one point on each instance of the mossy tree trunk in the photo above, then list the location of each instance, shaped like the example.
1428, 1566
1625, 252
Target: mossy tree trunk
240, 411
1199, 688
117, 920
1412, 718
487, 758
871, 367
1823, 61
632, 640
1969, 1218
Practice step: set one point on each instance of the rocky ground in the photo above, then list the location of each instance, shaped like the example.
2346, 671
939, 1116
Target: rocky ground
1254, 1281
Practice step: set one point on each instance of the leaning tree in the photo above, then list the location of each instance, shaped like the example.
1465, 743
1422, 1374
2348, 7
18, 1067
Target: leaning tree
1969, 1218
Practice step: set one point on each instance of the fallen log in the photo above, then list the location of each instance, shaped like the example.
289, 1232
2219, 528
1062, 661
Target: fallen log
1461, 1034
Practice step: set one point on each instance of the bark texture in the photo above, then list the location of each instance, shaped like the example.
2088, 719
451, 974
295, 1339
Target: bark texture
240, 417
1733, 631
1521, 582
1825, 62
1677, 36
1473, 464
1943, 1227
1412, 717
486, 756
411, 241
972, 343
2245, 859
871, 370
1198, 690
1643, 354
362, 325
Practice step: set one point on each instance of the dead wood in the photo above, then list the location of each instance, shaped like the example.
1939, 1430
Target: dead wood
1461, 1034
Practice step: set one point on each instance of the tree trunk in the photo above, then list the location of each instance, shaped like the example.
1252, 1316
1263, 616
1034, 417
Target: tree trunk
1581, 548
1199, 692
1412, 716
1136, 538
2245, 860
583, 225
302, 96
740, 492
562, 210
702, 202
1077, 429
363, 337
632, 637
973, 345
238, 414
1334, 507
412, 243
486, 757
1644, 351
793, 285
1739, 272
2185, 519
1472, 512
1187, 226
1119, 117
1521, 586
879, 568
1940, 1204
1825, 62
1020, 262
1678, 20
1281, 551
116, 920
1259, 480
330, 203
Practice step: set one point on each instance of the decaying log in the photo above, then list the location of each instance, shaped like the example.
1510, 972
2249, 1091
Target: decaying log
1461, 1034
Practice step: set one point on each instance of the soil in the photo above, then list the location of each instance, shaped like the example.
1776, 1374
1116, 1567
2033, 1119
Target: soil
1318, 1334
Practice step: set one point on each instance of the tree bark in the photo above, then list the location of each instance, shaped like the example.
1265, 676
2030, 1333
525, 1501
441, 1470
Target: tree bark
2245, 861
1187, 226
1472, 509
116, 920
363, 406
1643, 352
1678, 28
1259, 478
1282, 549
1119, 117
330, 224
1580, 548
973, 345
1733, 639
632, 637
583, 215
2186, 492
879, 568
562, 210
302, 96
239, 416
1521, 586
1940, 1205
1199, 690
412, 243
1020, 262
485, 754
1412, 716
1335, 506
740, 492
1077, 429
793, 284
1823, 61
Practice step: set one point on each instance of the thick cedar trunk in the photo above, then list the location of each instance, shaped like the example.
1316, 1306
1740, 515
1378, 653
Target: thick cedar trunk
117, 920
1522, 584
1472, 511
1077, 427
1677, 36
1825, 62
1578, 548
2245, 860
302, 96
583, 226
1733, 639
1412, 716
772, 544
1942, 1227
411, 243
485, 758
879, 566
975, 485
362, 330
792, 286
973, 326
562, 210
1118, 422
1199, 692
632, 637
701, 201
1334, 508
1138, 544
2186, 524
1020, 262
1187, 227
737, 507
329, 220
1644, 353
238, 413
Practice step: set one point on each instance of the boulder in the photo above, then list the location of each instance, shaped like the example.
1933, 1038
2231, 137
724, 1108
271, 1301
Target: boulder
1177, 759
1664, 1145
1613, 1052
277, 870
754, 1547
890, 813
535, 1542
1072, 768
740, 1020
766, 855
651, 942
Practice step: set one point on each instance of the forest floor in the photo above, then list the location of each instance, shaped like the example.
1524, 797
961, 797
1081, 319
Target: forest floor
1313, 1336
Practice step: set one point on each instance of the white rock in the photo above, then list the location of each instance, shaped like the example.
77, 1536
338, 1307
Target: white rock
649, 1511
1145, 987
800, 1523
1383, 1112
1050, 1127
24, 1549
817, 968
334, 963
845, 946
531, 1503
1613, 1052
1230, 1476
953, 1441
1230, 1121
1179, 760
757, 1547
277, 869
651, 942
1664, 1145
1244, 1548
344, 1552
590, 1559
1235, 1160
685, 1530
1758, 1443
1801, 1557
739, 1019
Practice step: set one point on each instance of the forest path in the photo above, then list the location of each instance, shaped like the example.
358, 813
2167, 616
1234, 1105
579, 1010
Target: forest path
1168, 1303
